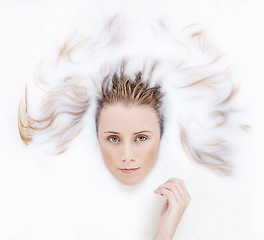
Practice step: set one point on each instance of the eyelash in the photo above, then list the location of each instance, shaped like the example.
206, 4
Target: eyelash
145, 138
110, 138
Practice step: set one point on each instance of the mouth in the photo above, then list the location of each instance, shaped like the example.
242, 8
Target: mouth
128, 170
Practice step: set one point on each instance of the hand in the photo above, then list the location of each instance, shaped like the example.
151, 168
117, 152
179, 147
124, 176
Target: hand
178, 199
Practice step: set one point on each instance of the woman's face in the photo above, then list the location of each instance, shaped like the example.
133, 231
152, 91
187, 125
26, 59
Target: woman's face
129, 137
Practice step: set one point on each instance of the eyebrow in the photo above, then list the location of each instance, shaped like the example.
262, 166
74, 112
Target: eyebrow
142, 132
111, 132
133, 134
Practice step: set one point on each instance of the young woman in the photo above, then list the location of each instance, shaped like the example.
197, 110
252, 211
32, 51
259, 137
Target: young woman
129, 120
129, 126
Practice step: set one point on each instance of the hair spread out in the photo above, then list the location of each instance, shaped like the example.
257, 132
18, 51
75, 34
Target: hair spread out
67, 100
71, 100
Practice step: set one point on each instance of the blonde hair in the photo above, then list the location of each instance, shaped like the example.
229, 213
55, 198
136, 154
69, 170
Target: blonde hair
122, 89
73, 100
68, 100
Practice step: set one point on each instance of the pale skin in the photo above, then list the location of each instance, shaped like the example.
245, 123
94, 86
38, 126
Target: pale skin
129, 138
177, 201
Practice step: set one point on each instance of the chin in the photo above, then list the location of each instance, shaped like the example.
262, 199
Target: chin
129, 182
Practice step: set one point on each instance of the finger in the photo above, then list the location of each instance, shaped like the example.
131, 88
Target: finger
168, 194
174, 181
184, 188
177, 186
184, 193
181, 182
173, 188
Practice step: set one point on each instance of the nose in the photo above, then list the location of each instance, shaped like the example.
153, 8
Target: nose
128, 153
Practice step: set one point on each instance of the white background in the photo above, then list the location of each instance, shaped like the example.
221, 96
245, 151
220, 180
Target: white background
43, 197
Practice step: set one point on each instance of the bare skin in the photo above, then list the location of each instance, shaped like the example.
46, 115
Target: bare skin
129, 138
178, 200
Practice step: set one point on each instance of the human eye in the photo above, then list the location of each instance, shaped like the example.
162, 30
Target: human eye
113, 139
141, 138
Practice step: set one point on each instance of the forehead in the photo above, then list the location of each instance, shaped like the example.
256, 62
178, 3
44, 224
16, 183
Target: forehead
128, 118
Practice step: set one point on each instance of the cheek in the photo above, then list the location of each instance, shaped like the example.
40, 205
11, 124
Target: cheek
109, 155
150, 153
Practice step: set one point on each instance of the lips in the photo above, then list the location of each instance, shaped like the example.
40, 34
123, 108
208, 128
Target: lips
128, 170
